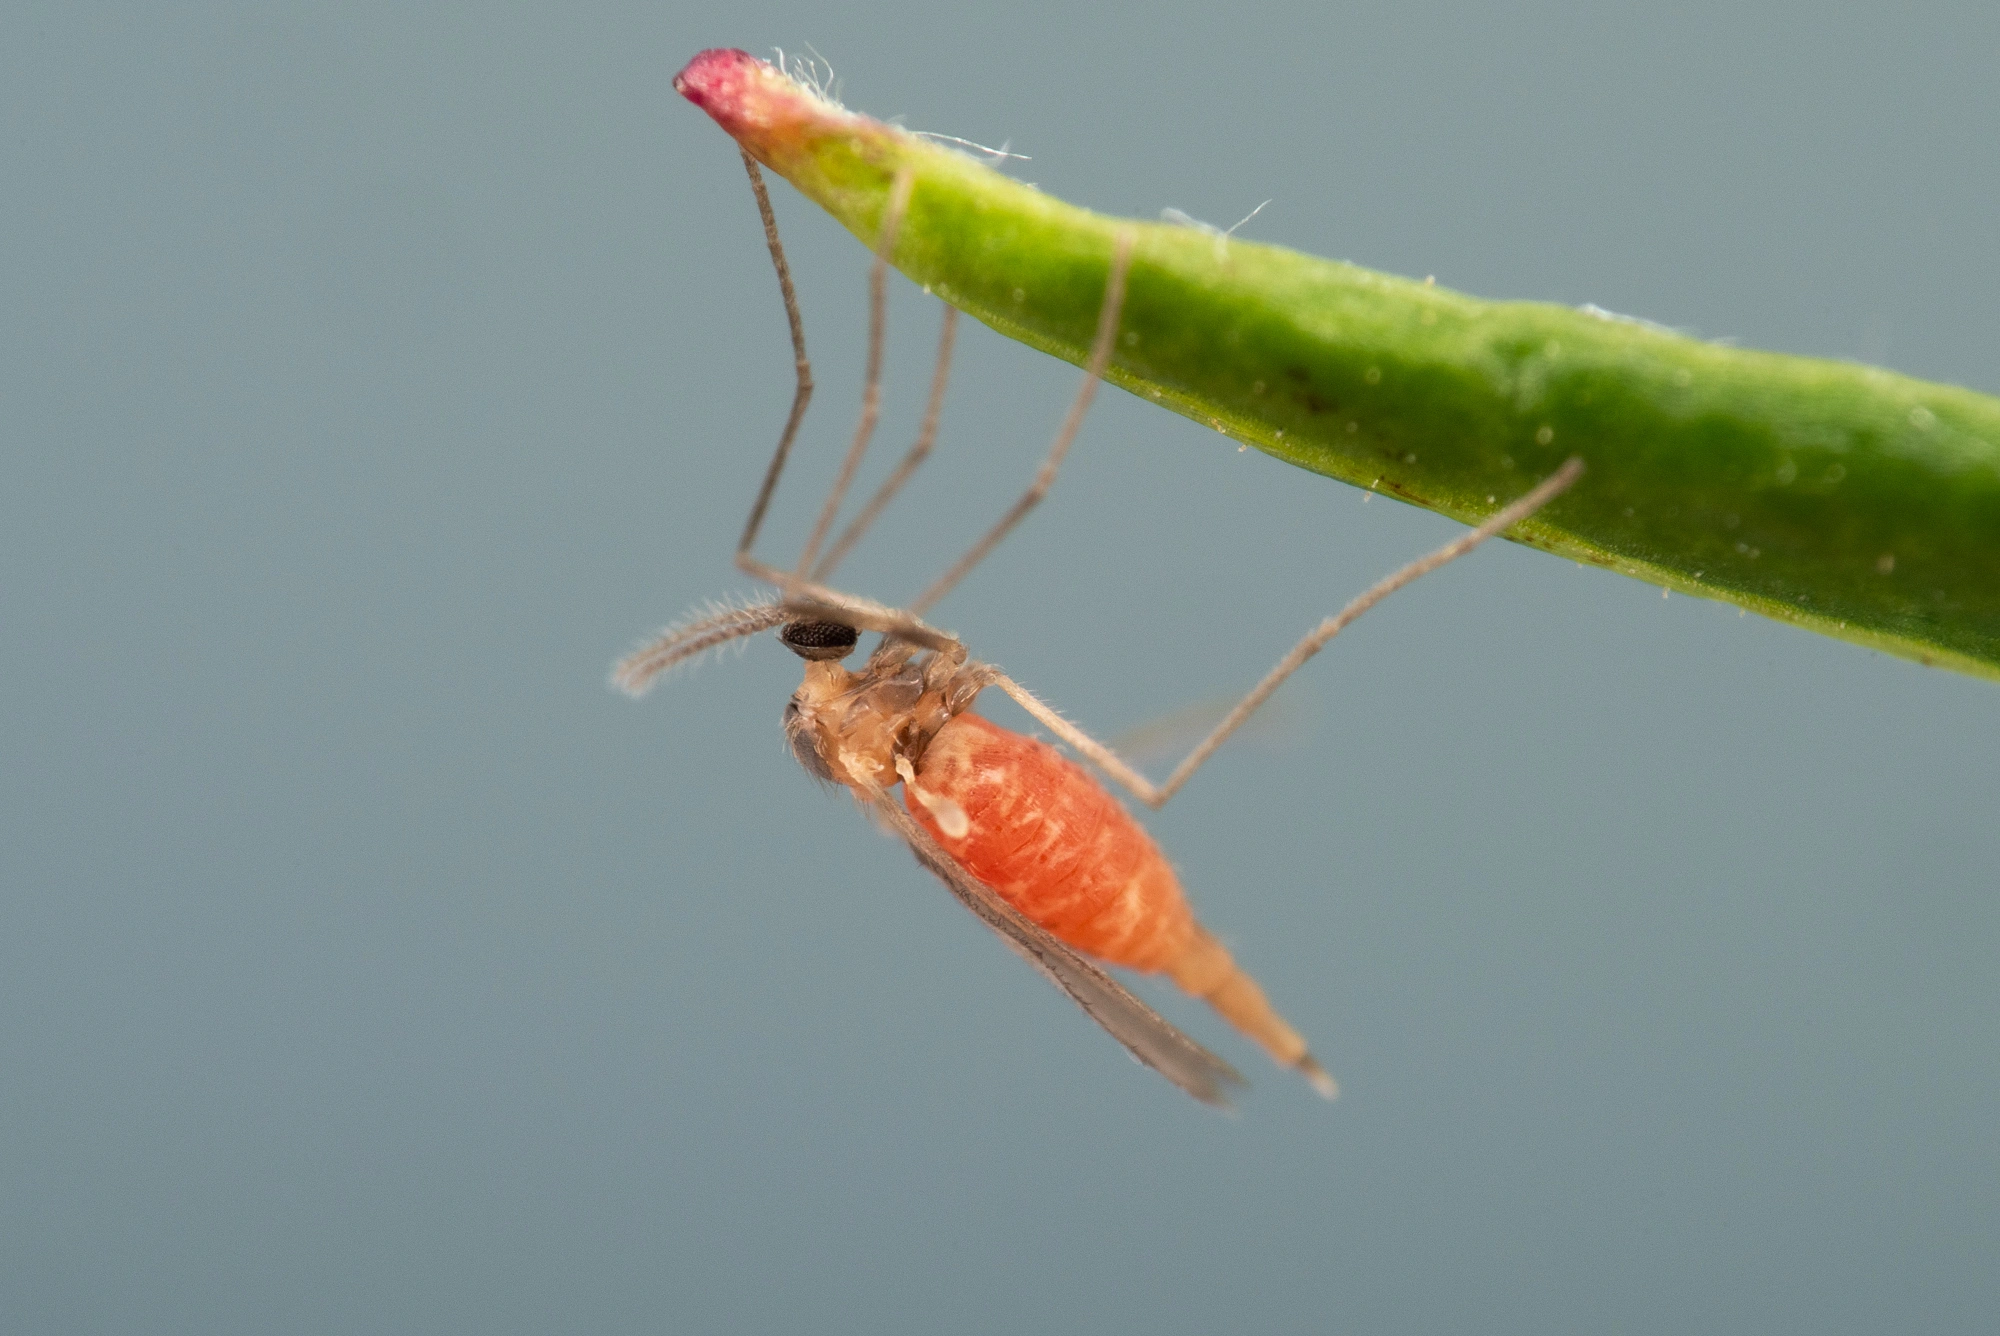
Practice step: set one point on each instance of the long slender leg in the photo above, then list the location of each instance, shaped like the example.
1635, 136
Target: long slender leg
920, 451
871, 384
803, 596
1100, 358
802, 393
1156, 795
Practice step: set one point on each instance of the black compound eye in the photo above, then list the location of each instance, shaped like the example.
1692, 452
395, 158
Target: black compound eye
819, 640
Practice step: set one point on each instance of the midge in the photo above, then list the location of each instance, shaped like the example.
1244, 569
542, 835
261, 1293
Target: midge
1024, 837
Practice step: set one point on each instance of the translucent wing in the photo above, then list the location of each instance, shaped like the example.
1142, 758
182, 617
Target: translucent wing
1147, 1035
1286, 718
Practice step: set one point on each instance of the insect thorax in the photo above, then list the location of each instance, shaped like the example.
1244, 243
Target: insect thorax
851, 727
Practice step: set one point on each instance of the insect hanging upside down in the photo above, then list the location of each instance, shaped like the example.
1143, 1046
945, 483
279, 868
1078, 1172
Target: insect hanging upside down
1021, 820
1024, 837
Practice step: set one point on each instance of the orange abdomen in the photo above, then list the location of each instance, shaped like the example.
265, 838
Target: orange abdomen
1045, 835
1038, 829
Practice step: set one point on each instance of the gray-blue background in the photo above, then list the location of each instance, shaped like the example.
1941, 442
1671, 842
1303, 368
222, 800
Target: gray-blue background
371, 377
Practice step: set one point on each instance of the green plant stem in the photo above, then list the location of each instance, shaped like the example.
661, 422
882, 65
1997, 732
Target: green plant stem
1847, 499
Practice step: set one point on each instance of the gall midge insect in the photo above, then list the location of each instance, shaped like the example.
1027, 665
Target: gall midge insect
1024, 837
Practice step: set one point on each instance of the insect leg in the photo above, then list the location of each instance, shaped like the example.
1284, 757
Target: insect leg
1105, 759
1540, 495
803, 594
1100, 358
803, 390
871, 384
926, 437
1156, 795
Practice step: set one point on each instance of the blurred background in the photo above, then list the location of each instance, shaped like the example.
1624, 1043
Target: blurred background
373, 375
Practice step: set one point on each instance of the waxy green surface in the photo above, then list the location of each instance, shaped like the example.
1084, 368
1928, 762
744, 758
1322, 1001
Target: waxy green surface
1848, 499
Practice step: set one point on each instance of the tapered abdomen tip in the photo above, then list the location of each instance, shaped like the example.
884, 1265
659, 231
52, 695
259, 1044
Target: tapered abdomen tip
1318, 1076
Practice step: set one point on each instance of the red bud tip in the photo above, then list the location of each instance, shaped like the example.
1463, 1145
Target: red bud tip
714, 80
756, 102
